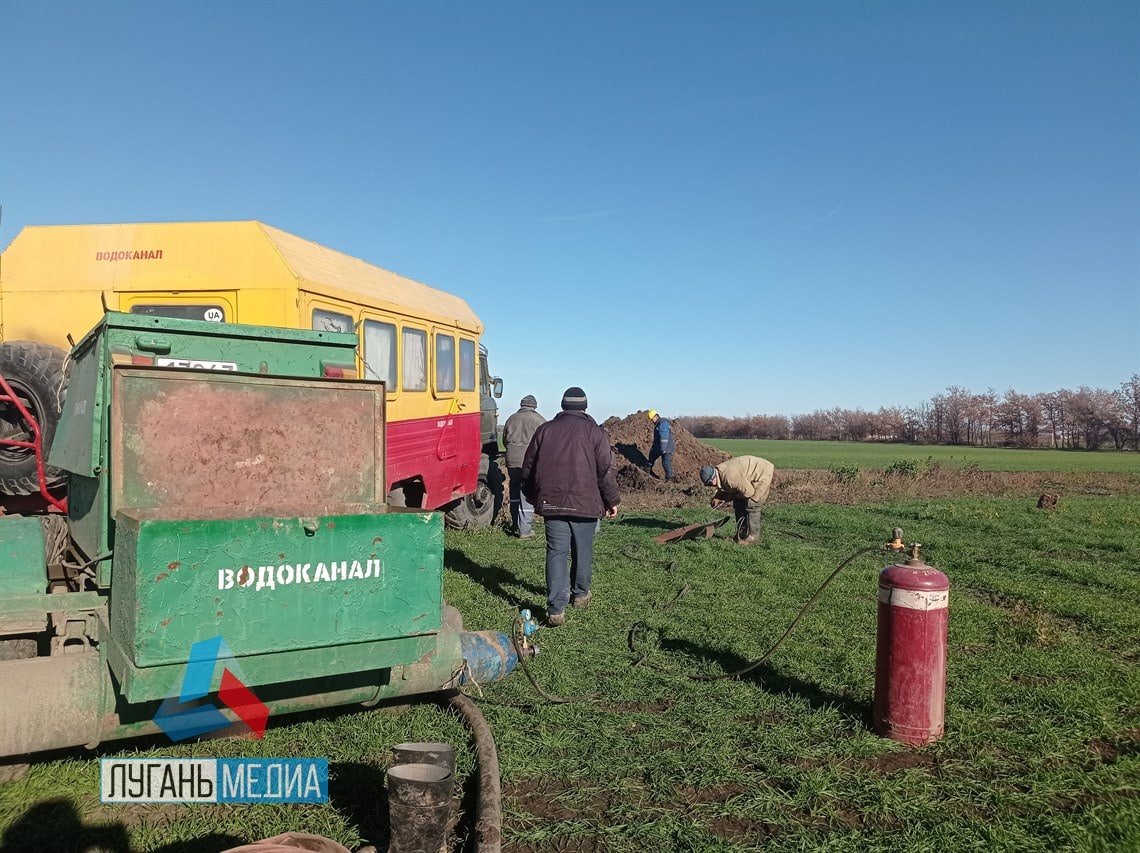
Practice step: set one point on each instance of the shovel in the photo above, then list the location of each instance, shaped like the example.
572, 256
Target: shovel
693, 531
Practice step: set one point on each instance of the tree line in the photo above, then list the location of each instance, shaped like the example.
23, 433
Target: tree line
1088, 418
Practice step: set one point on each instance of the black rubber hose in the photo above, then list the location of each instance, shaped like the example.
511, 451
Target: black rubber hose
549, 697
489, 820
641, 625
815, 596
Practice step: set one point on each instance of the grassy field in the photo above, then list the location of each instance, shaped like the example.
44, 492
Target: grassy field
1042, 750
828, 454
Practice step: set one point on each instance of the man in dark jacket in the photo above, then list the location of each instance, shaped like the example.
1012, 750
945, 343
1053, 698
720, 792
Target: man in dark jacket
517, 433
569, 476
664, 445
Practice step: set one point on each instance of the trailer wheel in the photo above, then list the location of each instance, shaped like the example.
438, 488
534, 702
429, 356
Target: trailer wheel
475, 510
36, 373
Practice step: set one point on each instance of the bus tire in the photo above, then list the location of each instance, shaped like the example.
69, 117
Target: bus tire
36, 373
474, 510
408, 494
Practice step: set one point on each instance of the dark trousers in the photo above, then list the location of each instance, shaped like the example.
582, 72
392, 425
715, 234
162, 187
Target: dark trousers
522, 513
748, 517
666, 462
569, 560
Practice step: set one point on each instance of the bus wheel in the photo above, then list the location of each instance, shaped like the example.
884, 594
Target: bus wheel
409, 494
475, 510
36, 374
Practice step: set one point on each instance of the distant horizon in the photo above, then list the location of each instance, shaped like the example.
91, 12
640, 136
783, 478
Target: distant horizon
1087, 417
1112, 390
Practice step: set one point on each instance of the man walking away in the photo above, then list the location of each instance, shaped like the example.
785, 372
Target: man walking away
663, 444
746, 481
517, 433
569, 476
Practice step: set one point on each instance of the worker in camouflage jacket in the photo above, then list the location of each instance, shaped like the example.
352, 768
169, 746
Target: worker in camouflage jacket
517, 433
746, 481
664, 445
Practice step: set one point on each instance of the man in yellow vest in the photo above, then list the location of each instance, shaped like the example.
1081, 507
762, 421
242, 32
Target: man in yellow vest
746, 481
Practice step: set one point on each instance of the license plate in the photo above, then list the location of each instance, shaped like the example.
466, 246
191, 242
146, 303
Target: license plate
196, 364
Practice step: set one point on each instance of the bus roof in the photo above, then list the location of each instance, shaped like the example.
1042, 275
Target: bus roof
188, 256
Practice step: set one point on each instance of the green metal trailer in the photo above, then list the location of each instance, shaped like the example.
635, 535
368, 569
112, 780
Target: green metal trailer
223, 494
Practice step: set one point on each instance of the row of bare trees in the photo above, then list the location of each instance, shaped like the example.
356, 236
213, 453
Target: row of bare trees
1088, 418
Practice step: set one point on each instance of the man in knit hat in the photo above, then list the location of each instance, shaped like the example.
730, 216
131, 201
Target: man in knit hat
569, 476
517, 433
746, 481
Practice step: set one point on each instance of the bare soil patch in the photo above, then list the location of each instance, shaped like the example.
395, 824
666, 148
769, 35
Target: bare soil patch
553, 800
632, 438
895, 762
1111, 750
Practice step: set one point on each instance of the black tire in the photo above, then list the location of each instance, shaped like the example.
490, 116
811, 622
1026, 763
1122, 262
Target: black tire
475, 510
407, 495
36, 374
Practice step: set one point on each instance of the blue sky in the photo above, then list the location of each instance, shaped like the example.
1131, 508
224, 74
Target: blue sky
702, 207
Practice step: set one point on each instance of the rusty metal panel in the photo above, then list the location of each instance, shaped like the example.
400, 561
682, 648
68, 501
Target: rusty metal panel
210, 442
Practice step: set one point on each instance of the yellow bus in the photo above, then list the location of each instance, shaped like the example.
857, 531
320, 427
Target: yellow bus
423, 343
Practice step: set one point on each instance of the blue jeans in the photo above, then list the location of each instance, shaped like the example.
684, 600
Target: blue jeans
568, 539
522, 513
666, 463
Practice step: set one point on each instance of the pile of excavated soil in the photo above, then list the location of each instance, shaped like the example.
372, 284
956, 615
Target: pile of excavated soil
632, 438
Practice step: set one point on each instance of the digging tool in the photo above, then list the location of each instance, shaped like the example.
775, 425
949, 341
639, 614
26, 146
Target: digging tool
704, 530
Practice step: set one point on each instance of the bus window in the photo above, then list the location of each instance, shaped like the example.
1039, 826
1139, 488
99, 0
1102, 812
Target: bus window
466, 365
415, 360
444, 363
213, 313
331, 321
380, 353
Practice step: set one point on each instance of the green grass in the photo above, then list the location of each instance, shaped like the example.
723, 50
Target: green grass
828, 454
1042, 750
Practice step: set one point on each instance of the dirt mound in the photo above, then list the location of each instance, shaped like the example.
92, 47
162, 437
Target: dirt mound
632, 438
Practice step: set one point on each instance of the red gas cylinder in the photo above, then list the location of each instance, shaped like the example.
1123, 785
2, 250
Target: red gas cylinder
910, 659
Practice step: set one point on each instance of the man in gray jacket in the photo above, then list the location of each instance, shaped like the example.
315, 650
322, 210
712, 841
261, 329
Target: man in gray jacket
517, 433
569, 475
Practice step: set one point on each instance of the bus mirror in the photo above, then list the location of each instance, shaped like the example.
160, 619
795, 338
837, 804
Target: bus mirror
497, 387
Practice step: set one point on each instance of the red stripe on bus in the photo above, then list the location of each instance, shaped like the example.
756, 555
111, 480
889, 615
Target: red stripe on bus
442, 451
